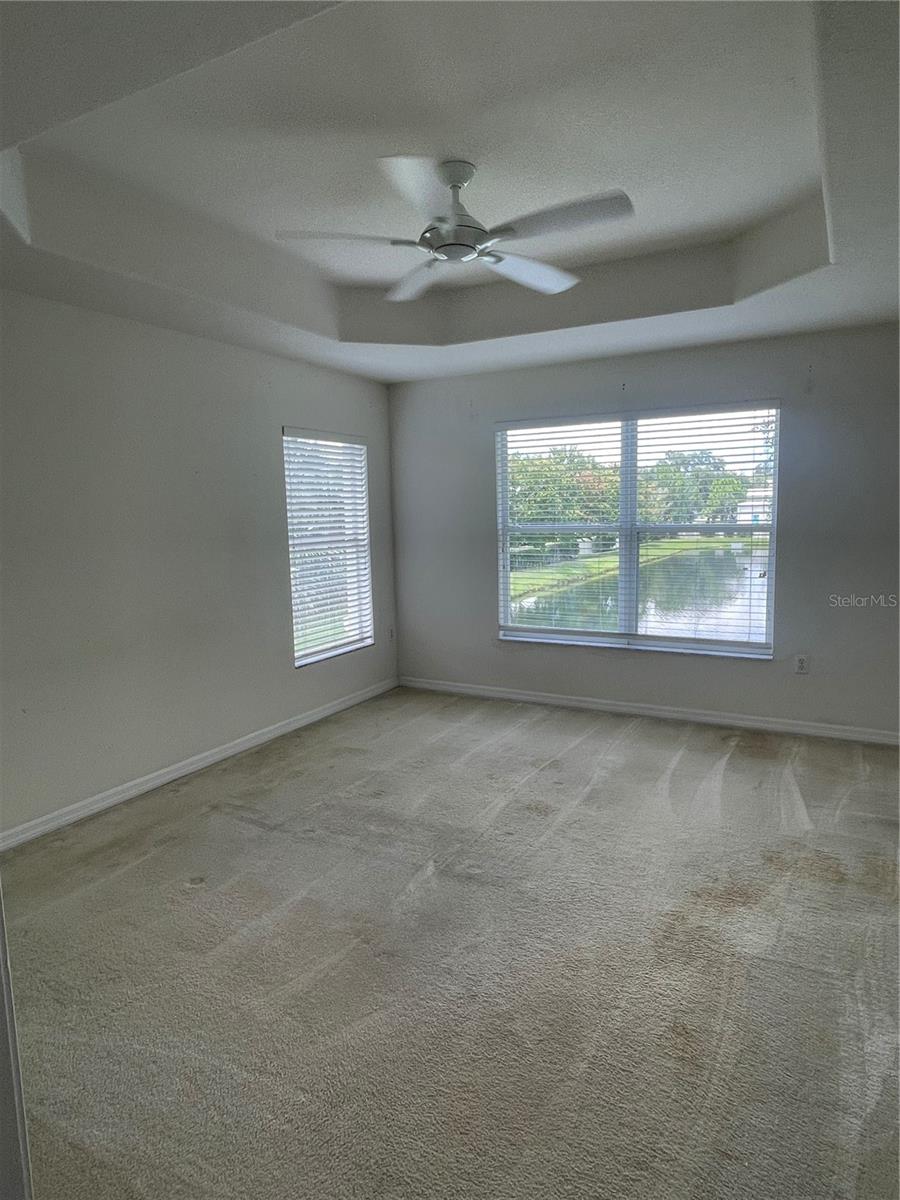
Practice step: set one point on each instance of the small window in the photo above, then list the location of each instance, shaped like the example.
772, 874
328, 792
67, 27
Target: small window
652, 533
326, 481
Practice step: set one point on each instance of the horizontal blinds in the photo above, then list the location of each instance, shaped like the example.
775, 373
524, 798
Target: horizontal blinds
705, 469
564, 475
711, 587
647, 530
326, 483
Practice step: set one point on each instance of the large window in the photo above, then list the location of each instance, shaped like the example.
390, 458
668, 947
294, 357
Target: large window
326, 481
652, 532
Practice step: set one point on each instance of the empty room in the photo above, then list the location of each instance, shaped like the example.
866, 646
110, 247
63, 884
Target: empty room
449, 539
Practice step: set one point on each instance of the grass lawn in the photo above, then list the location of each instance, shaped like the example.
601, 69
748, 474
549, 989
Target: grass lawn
559, 577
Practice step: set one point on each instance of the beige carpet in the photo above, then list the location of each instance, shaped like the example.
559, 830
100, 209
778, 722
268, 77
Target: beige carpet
454, 949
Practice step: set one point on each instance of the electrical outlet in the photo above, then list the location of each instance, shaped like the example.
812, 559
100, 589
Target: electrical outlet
801, 664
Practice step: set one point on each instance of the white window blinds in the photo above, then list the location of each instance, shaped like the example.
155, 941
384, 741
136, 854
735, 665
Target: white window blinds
656, 532
326, 481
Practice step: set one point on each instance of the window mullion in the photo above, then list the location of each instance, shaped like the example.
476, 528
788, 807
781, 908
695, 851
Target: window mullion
628, 534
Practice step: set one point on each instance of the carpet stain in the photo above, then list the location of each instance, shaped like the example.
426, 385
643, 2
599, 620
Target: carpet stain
538, 808
757, 745
813, 865
730, 895
879, 877
876, 875
686, 1045
680, 938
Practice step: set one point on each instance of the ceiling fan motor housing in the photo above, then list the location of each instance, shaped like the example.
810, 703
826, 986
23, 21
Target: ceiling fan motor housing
455, 243
459, 241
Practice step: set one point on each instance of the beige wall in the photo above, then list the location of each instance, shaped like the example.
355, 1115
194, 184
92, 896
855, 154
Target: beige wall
837, 531
146, 601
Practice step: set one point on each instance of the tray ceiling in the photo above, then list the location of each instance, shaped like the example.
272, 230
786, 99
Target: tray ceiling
758, 142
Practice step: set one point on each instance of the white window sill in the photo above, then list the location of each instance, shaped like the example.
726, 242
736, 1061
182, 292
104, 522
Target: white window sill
762, 653
308, 659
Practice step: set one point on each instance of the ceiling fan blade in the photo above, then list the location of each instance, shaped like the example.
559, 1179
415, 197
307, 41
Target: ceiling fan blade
579, 213
418, 181
538, 276
308, 235
415, 283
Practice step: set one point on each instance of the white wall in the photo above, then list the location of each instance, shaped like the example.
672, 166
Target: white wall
146, 599
837, 530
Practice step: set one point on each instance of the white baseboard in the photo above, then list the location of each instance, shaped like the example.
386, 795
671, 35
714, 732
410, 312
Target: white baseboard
136, 787
740, 720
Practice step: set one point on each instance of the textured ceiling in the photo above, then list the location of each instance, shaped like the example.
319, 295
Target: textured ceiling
60, 59
704, 112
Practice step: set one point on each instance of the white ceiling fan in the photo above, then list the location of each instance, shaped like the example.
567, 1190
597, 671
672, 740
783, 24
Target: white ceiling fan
454, 236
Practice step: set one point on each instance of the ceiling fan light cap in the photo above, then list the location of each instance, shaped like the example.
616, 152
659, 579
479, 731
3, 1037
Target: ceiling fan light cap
456, 172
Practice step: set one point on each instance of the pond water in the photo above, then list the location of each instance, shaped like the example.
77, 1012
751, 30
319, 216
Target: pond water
708, 592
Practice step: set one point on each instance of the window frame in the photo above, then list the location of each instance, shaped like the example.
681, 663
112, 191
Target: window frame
628, 586
360, 643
